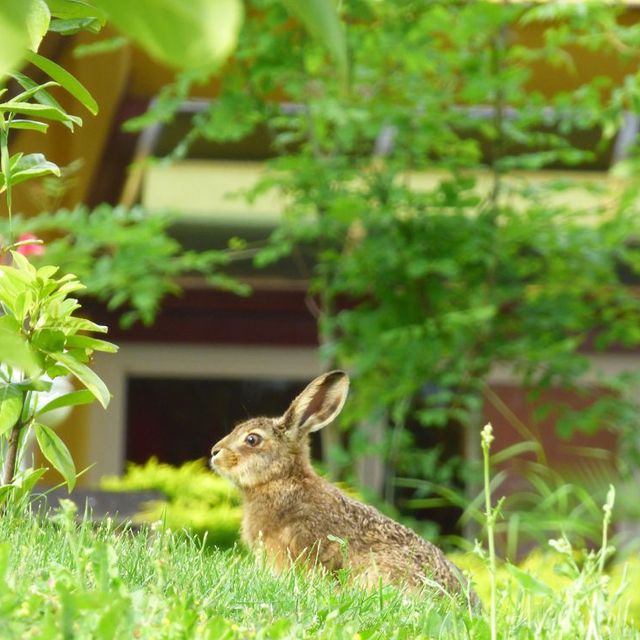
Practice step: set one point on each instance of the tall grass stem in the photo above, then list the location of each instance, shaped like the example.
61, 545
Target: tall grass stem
490, 516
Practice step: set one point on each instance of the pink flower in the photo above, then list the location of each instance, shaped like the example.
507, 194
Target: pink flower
32, 245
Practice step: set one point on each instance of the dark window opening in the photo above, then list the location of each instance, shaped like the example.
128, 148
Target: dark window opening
180, 419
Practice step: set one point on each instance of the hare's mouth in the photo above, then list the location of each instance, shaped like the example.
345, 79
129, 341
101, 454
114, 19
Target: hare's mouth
226, 471
223, 461
221, 470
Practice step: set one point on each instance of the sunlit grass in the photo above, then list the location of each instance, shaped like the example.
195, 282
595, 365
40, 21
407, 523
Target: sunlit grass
63, 579
67, 580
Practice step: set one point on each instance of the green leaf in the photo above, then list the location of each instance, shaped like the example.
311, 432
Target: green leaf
36, 384
65, 79
47, 272
32, 91
72, 399
48, 340
24, 481
320, 18
41, 111
72, 9
41, 96
88, 378
13, 33
30, 166
82, 324
71, 27
14, 286
31, 125
194, 34
33, 165
105, 45
529, 583
94, 344
5, 490
24, 266
22, 304
11, 401
5, 162
38, 23
56, 452
14, 349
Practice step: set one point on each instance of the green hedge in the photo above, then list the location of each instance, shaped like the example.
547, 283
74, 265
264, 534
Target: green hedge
196, 499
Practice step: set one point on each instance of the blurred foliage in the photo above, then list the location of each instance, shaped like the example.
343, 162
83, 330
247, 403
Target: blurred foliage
198, 36
546, 573
421, 291
124, 257
197, 500
537, 505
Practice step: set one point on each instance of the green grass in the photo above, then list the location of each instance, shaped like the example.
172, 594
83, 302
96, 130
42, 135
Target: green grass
63, 579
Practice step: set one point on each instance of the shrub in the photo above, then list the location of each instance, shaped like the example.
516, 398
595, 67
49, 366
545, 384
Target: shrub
197, 500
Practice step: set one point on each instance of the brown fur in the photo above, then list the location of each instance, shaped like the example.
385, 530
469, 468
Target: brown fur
297, 515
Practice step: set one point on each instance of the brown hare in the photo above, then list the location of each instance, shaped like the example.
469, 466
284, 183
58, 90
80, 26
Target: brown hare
297, 515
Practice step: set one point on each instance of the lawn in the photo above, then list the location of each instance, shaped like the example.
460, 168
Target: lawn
64, 578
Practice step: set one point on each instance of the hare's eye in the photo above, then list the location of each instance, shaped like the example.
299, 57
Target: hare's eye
253, 439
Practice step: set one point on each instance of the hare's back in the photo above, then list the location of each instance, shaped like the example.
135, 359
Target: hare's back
378, 543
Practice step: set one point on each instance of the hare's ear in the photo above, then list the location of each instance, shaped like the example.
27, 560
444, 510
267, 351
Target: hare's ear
318, 404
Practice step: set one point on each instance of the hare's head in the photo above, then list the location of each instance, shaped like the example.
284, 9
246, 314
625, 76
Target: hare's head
264, 449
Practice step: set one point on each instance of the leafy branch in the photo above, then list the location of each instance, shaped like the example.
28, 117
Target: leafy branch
41, 338
127, 258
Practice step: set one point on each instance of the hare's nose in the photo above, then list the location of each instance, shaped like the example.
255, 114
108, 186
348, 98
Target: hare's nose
215, 452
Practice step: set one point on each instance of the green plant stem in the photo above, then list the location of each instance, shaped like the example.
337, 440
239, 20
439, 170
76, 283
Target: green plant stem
487, 437
13, 443
12, 454
607, 508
